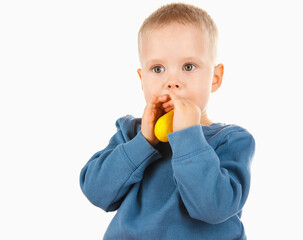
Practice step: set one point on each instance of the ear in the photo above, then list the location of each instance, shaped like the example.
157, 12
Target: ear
140, 76
139, 73
217, 79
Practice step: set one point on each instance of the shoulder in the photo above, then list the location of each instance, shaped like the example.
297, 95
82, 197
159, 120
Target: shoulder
231, 136
240, 136
236, 131
129, 126
222, 130
128, 121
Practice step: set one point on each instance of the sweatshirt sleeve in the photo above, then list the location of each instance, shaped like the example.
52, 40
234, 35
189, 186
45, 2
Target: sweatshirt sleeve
213, 183
109, 173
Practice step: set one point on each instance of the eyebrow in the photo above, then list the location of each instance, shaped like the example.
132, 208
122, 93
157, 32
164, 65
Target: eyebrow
193, 59
185, 59
152, 61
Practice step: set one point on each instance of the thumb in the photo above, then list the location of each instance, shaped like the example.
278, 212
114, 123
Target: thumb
173, 95
175, 98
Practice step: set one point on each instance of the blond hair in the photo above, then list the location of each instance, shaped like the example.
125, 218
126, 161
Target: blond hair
184, 14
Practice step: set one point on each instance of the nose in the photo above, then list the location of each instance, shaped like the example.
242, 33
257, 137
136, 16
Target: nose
172, 84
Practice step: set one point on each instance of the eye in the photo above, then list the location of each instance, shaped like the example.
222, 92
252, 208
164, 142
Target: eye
157, 69
189, 67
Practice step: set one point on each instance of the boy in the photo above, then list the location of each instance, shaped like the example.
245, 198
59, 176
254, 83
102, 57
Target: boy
195, 185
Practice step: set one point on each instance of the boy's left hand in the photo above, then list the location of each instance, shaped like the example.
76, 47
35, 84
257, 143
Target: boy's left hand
186, 113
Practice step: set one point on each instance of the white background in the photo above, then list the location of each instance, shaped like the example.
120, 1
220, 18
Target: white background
68, 71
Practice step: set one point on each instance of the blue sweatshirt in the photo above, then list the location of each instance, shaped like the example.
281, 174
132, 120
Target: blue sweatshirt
192, 187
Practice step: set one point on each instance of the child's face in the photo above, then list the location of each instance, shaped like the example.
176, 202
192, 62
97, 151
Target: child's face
177, 57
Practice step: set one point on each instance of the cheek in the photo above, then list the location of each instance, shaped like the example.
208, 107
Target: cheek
148, 89
199, 95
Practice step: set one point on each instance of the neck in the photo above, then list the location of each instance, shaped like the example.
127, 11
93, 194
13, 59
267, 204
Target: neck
205, 121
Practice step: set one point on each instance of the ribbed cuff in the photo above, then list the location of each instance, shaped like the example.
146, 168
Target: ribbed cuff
139, 150
187, 141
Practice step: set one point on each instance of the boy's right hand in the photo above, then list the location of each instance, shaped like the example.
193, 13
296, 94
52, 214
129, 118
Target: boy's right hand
152, 112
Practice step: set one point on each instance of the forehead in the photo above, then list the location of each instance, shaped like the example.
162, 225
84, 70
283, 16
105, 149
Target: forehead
174, 40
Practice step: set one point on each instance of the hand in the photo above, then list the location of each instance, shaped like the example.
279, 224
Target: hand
152, 112
186, 113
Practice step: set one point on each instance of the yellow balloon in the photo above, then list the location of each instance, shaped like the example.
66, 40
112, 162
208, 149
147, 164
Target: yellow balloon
164, 126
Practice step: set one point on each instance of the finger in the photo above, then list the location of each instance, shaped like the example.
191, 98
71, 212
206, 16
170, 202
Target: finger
155, 107
168, 109
157, 101
158, 104
152, 101
177, 101
150, 106
163, 98
173, 96
168, 104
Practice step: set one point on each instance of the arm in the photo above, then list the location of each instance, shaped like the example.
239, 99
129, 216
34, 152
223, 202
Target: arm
109, 174
213, 184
